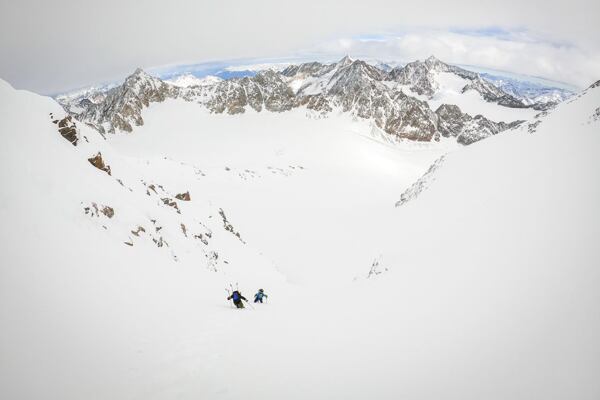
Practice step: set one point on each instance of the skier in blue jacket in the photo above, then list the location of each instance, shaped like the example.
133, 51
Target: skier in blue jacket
258, 297
237, 298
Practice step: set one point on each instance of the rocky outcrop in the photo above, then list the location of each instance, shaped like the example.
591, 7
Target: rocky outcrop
452, 122
265, 90
98, 162
493, 94
596, 115
228, 227
108, 211
67, 129
421, 184
183, 196
95, 210
478, 128
171, 203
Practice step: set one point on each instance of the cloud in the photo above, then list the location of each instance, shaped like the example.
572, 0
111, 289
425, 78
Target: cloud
517, 52
53, 45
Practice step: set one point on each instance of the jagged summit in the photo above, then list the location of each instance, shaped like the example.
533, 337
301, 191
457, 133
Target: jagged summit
139, 71
345, 61
121, 108
434, 61
140, 75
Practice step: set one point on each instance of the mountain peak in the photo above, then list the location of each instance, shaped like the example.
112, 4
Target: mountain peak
139, 72
345, 61
434, 62
140, 77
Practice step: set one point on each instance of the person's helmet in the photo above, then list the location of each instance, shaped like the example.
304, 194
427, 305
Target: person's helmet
260, 290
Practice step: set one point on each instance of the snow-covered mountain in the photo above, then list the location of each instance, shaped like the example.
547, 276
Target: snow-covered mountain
529, 92
420, 76
78, 101
118, 249
403, 102
423, 78
122, 106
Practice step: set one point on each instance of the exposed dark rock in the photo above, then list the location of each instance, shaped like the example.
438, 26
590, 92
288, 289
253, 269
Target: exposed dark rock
228, 227
183, 196
202, 239
95, 210
138, 231
421, 184
160, 242
108, 211
68, 129
453, 122
98, 162
171, 203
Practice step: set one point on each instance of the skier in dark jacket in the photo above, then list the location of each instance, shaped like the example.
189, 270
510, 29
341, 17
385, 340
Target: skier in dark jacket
258, 297
237, 298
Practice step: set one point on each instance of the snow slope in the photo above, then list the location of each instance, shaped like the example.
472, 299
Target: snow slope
502, 256
483, 286
292, 180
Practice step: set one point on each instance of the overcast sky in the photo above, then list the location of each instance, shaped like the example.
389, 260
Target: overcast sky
51, 46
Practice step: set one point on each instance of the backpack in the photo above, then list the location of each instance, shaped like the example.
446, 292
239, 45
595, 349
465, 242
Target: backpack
236, 296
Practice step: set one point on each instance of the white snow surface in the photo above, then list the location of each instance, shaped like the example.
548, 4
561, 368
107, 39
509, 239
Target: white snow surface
187, 80
486, 286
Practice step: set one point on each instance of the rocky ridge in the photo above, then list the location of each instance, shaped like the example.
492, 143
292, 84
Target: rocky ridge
350, 86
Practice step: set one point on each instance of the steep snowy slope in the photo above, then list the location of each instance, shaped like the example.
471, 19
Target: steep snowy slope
499, 252
97, 272
485, 285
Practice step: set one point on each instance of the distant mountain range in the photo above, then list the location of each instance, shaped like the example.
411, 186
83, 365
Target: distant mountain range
399, 100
